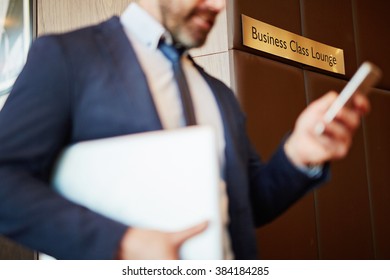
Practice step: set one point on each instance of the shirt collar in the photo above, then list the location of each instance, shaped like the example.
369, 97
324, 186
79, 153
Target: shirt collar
146, 29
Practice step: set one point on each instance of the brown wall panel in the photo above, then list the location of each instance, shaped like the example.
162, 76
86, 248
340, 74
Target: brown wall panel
12, 251
292, 236
282, 14
343, 206
372, 34
331, 22
377, 131
63, 15
272, 95
351, 211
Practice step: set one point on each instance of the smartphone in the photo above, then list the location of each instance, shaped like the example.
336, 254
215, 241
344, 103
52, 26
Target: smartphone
362, 81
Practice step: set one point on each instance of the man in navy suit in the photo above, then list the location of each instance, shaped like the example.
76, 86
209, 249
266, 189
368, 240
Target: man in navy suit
112, 79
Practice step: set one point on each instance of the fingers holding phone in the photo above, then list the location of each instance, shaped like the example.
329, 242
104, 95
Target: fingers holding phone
353, 94
324, 130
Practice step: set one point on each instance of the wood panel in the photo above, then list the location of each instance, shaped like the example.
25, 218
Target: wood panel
351, 211
377, 133
338, 32
12, 251
342, 205
63, 15
372, 39
282, 14
272, 95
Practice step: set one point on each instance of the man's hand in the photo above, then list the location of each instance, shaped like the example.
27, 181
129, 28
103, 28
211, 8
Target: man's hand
305, 147
143, 244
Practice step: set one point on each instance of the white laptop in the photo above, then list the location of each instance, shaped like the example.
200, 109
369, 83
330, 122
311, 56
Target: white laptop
166, 180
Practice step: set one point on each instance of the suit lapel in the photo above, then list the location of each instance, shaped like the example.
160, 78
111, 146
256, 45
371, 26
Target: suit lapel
126, 65
224, 107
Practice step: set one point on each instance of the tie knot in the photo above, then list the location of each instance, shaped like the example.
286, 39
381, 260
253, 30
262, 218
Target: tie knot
171, 52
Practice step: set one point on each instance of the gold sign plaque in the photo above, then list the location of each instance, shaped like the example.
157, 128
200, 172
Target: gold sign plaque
270, 39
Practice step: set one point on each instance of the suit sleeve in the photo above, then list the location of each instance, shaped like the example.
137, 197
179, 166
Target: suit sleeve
278, 184
35, 125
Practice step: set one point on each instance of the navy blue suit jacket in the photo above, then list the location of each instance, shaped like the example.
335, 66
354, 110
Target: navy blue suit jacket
88, 84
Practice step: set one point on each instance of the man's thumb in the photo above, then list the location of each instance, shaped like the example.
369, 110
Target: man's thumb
178, 238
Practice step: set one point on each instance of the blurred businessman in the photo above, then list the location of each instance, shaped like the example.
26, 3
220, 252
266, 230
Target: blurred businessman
132, 74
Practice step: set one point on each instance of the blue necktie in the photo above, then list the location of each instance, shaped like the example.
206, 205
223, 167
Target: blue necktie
174, 55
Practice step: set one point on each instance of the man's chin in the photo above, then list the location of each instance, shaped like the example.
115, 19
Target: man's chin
190, 42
